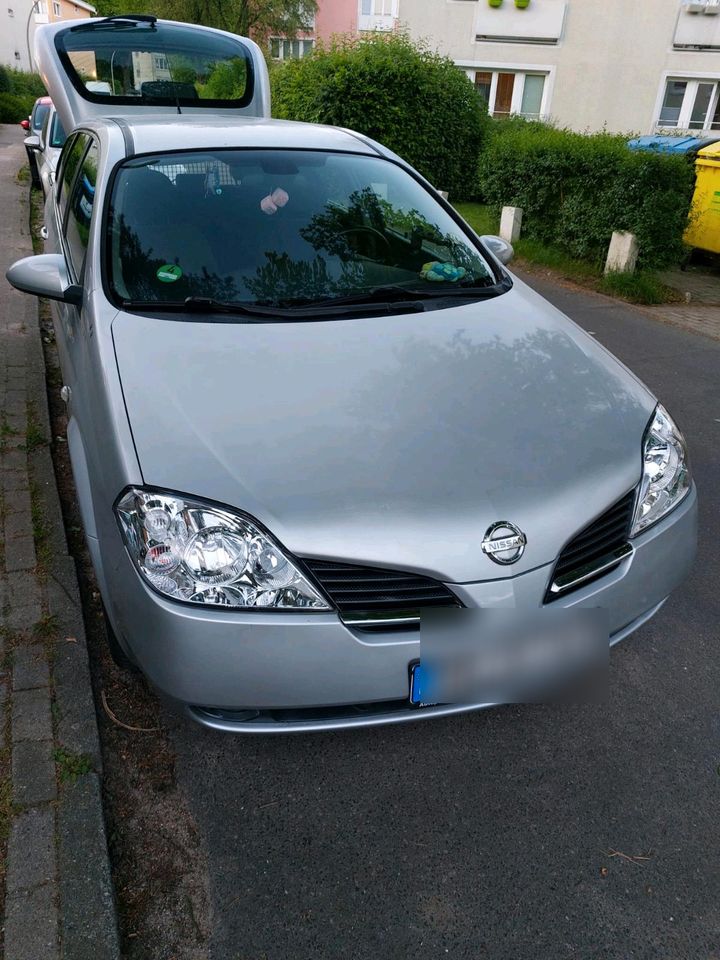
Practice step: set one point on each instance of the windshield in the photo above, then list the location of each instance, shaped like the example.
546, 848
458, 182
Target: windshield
155, 63
281, 228
40, 112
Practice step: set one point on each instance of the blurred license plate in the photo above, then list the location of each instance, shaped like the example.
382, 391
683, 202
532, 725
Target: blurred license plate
421, 686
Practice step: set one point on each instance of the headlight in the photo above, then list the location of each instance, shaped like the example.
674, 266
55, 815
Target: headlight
191, 551
666, 471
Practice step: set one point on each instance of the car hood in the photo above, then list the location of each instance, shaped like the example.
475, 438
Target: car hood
392, 441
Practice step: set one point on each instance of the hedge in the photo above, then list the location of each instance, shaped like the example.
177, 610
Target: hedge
398, 92
21, 83
575, 189
14, 108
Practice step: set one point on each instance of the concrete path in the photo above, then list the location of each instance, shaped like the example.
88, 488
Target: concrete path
59, 901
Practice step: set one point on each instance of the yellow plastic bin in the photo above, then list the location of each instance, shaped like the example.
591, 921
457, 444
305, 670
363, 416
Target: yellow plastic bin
704, 228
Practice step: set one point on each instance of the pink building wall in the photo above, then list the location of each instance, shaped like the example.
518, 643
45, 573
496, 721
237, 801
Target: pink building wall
335, 16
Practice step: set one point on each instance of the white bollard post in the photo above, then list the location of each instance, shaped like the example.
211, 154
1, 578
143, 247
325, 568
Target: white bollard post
511, 224
622, 253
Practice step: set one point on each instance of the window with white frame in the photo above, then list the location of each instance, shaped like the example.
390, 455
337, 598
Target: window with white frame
377, 14
57, 9
281, 49
511, 92
690, 104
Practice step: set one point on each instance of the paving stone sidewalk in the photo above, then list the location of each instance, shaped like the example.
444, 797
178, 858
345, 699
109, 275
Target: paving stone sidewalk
58, 900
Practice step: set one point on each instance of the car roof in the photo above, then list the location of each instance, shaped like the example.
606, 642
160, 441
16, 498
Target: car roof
193, 132
44, 100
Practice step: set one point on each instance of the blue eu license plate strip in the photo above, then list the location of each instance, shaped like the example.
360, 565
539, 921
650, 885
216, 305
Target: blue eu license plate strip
422, 686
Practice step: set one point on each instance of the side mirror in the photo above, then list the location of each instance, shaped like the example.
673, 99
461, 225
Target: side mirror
45, 276
25, 124
32, 143
499, 247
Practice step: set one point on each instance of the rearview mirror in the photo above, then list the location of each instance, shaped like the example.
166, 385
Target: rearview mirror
45, 276
499, 247
32, 143
25, 124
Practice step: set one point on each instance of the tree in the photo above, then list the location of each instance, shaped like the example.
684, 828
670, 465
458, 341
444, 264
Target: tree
397, 91
258, 19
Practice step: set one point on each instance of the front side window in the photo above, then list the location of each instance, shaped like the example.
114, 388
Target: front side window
69, 163
280, 229
57, 134
80, 207
156, 63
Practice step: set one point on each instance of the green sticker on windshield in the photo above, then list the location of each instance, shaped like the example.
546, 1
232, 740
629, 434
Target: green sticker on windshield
169, 273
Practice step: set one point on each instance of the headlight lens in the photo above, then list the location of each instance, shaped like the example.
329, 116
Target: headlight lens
191, 551
666, 471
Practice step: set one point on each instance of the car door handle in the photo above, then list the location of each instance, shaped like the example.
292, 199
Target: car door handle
44, 232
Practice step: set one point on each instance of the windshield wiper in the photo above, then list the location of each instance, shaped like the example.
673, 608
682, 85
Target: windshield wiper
397, 294
205, 305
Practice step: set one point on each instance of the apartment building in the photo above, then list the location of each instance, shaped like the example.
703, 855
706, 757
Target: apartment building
18, 19
622, 65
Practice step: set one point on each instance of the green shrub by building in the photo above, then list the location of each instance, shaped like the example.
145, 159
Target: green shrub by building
15, 108
575, 189
412, 100
18, 93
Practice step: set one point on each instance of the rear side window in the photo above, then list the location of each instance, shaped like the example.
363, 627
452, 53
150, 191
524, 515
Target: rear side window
80, 207
72, 155
134, 61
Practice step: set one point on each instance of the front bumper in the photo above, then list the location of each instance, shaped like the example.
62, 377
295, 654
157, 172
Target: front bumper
273, 672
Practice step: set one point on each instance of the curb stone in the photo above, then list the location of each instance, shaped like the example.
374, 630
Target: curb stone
60, 902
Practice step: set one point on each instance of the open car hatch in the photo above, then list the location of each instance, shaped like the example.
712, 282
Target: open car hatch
137, 65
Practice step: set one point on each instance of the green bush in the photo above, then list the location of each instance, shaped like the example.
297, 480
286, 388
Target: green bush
14, 108
25, 84
5, 84
575, 189
389, 88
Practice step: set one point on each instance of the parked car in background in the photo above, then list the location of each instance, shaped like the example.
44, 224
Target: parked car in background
40, 110
307, 404
46, 148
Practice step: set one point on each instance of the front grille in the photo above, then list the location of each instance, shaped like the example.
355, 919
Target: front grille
354, 589
595, 550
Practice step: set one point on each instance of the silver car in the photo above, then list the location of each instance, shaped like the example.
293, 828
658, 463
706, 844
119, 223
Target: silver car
308, 406
46, 147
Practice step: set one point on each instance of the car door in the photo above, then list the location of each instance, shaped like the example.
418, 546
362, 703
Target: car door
72, 216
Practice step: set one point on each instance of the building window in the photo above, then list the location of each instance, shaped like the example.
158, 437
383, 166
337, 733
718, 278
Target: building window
377, 14
281, 49
17, 54
509, 93
160, 61
11, 12
690, 105
57, 10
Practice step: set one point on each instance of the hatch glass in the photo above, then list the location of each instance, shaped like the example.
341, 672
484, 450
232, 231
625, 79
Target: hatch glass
142, 61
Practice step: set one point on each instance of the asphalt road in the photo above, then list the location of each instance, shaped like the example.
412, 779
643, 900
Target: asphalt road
499, 834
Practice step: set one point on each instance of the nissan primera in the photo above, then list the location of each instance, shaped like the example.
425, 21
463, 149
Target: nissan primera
307, 404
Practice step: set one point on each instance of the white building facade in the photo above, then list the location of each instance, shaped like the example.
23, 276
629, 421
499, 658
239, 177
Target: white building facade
628, 66
19, 18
